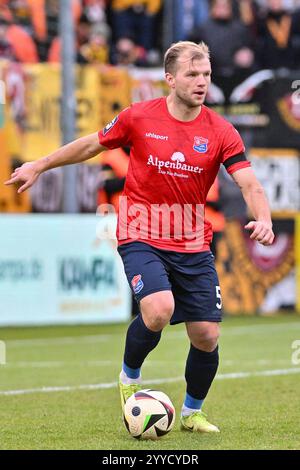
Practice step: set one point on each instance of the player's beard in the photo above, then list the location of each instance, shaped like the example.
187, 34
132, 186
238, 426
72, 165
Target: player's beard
190, 102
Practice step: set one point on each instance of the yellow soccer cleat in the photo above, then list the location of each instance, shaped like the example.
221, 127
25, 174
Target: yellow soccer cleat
197, 422
126, 391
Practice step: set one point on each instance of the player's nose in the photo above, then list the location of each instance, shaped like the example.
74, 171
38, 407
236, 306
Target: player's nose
201, 80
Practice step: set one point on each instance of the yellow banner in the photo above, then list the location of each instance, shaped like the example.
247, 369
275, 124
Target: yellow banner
115, 93
10, 200
43, 95
244, 282
10, 152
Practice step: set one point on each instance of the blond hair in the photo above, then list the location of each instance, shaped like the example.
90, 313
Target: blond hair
197, 51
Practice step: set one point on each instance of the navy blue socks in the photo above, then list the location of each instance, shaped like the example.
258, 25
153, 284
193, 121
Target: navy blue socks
139, 342
200, 371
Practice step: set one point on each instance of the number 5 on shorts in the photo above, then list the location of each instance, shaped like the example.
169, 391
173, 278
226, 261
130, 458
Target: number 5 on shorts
218, 295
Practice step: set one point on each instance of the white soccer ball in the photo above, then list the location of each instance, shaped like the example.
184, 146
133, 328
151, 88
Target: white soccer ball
149, 414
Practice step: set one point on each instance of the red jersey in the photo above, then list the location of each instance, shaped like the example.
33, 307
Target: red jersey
172, 166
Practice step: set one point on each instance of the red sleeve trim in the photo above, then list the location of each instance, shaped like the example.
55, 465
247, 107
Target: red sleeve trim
238, 166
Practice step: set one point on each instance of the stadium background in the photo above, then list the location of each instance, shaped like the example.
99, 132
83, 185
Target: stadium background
55, 268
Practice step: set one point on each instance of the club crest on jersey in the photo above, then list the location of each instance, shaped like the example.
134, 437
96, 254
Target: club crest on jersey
200, 144
137, 283
109, 126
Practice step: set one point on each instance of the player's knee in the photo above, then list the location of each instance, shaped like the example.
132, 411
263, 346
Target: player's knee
208, 346
157, 312
160, 316
207, 340
206, 343
156, 323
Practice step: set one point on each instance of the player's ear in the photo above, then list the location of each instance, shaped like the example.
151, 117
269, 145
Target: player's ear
170, 80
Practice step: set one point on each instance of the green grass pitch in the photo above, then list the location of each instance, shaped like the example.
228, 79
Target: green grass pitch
255, 399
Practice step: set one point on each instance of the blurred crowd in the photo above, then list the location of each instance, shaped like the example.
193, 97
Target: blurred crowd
244, 35
107, 31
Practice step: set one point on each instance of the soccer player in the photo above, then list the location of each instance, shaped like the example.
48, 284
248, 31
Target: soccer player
177, 146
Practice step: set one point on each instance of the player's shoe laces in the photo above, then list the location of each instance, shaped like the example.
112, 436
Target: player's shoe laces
126, 391
197, 422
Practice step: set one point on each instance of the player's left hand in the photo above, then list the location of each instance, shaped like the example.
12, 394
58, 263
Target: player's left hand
261, 232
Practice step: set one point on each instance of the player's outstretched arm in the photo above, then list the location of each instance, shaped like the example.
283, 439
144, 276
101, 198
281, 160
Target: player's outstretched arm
258, 205
75, 152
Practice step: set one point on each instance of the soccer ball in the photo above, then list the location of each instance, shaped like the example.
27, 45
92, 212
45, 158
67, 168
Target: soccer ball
149, 414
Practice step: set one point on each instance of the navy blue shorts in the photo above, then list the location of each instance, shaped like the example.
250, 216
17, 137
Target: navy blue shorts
191, 277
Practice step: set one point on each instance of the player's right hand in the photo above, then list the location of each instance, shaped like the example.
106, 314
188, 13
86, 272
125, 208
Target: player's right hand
27, 174
261, 232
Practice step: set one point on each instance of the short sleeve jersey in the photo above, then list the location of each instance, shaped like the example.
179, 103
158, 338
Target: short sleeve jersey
172, 166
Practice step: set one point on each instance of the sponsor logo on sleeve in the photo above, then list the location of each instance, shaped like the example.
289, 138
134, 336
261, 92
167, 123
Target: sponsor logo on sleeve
109, 126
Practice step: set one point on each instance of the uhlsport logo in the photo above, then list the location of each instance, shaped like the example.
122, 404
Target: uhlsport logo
109, 126
200, 144
152, 135
137, 283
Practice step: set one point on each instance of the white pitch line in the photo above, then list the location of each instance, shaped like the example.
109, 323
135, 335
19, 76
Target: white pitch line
262, 373
50, 364
240, 330
231, 330
104, 363
243, 330
101, 386
58, 340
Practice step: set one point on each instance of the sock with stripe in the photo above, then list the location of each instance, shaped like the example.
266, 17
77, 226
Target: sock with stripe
200, 371
140, 341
